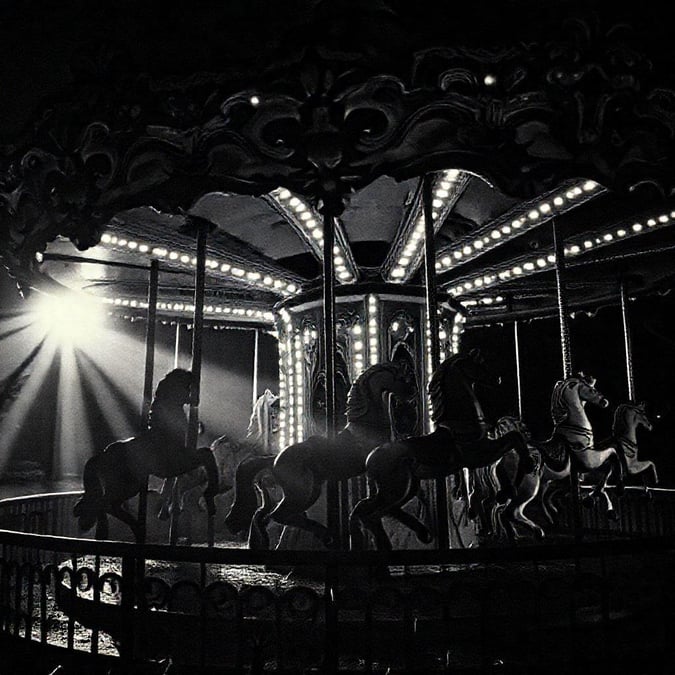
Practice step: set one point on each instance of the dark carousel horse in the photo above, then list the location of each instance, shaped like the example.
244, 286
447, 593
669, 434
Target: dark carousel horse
300, 470
119, 472
184, 493
460, 440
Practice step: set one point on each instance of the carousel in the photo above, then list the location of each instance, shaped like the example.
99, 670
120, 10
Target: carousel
436, 481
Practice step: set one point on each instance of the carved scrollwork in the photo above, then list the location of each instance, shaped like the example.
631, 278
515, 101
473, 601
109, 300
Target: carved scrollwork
331, 116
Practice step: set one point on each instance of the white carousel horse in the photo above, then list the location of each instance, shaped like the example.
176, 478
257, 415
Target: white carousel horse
571, 441
261, 439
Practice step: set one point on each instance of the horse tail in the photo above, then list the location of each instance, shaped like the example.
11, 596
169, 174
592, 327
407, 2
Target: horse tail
245, 495
88, 508
258, 539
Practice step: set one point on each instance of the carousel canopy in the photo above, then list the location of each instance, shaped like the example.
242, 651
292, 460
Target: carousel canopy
126, 125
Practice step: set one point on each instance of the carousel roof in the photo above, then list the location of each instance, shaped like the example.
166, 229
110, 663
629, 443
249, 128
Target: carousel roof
265, 120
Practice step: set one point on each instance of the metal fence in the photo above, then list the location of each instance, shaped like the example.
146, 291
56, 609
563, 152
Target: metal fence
528, 607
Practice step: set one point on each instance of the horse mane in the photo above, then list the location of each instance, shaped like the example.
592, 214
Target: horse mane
559, 411
358, 398
436, 394
508, 423
258, 424
171, 391
173, 386
619, 422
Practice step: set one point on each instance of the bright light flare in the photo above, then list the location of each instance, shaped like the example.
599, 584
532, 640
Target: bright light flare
70, 319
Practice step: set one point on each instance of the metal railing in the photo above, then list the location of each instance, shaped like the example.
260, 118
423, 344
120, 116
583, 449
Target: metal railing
236, 610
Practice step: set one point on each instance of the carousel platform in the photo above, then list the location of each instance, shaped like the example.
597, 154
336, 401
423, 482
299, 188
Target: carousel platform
561, 606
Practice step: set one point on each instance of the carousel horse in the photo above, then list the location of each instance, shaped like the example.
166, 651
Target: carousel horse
119, 472
628, 417
571, 441
301, 469
482, 485
260, 439
460, 440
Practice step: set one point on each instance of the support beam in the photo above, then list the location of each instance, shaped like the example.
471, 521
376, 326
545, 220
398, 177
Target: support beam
150, 331
256, 348
329, 339
628, 344
563, 317
202, 228
442, 496
176, 346
519, 383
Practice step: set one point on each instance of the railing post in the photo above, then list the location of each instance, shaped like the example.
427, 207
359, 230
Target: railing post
126, 646
331, 650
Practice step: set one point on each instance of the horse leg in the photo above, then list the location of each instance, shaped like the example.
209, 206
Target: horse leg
408, 520
506, 488
167, 499
258, 539
363, 519
207, 460
398, 489
526, 493
606, 461
546, 494
101, 525
291, 511
122, 514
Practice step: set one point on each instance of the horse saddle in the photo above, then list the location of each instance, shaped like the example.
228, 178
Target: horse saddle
433, 452
555, 452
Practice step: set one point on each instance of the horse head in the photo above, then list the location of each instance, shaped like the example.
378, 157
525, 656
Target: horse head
511, 423
628, 416
587, 391
174, 388
371, 391
574, 392
471, 368
451, 386
264, 420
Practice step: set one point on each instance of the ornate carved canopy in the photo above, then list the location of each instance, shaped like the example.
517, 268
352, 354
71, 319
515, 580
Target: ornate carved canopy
331, 101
